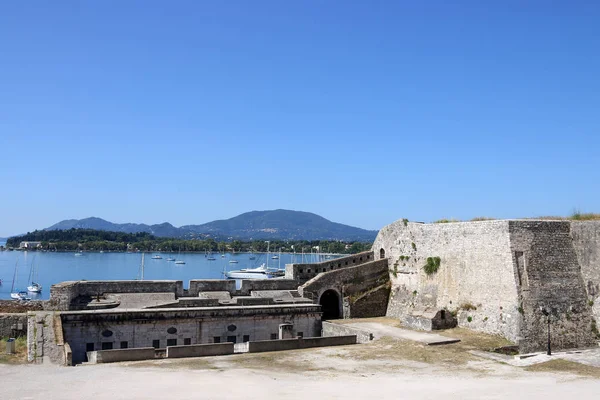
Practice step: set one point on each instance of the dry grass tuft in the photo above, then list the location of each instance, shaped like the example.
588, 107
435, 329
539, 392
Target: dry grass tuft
20, 356
560, 365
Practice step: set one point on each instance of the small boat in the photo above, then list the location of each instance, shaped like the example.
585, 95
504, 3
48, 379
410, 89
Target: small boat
34, 288
179, 255
211, 258
78, 254
101, 251
156, 257
22, 295
233, 261
14, 293
170, 259
252, 258
33, 276
275, 258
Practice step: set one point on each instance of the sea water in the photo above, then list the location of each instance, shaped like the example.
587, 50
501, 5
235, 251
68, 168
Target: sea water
50, 268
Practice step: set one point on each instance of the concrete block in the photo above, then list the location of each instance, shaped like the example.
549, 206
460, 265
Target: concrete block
200, 350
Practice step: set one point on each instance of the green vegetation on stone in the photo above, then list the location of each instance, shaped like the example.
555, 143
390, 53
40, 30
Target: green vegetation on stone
432, 266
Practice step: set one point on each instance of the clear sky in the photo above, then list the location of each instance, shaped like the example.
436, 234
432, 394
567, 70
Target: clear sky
361, 111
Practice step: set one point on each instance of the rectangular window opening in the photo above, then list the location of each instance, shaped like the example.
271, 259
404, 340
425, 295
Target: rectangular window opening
232, 339
156, 344
171, 342
107, 345
246, 338
217, 339
187, 341
124, 345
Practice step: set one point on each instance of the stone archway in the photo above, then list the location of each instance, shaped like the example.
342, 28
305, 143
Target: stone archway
330, 304
382, 253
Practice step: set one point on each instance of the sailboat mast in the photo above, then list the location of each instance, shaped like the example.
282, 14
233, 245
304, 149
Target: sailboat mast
268, 253
12, 289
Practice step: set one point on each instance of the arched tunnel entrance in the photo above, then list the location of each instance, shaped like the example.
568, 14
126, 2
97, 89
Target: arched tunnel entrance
330, 304
382, 253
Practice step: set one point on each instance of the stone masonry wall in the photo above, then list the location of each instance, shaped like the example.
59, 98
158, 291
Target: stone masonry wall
305, 272
372, 303
13, 325
199, 326
63, 295
548, 276
475, 278
348, 281
586, 241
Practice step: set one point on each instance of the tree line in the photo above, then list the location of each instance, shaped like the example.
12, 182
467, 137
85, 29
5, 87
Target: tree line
96, 240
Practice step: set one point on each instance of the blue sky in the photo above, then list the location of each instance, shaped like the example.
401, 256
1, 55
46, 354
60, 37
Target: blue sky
363, 112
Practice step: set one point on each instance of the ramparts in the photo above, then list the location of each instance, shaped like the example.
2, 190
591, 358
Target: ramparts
304, 272
497, 275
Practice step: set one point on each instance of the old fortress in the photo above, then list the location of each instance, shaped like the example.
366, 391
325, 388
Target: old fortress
512, 278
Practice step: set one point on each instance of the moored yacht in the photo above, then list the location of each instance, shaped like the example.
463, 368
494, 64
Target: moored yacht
261, 272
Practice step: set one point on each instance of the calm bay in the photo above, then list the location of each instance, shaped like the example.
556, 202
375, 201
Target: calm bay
55, 267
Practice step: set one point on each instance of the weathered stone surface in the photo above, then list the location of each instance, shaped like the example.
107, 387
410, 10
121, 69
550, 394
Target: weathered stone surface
333, 329
94, 330
352, 283
200, 350
495, 275
68, 295
304, 272
13, 325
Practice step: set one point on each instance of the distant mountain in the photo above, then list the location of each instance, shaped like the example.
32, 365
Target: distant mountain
274, 224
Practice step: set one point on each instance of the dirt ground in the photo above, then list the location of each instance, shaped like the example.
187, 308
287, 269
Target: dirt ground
387, 368
12, 306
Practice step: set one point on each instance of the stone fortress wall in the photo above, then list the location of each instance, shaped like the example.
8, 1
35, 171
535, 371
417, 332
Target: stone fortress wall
495, 276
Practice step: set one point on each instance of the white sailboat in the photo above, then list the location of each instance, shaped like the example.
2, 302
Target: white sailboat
33, 276
157, 257
210, 257
141, 272
178, 261
17, 294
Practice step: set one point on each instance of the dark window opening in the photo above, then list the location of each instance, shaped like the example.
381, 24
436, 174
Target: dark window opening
107, 345
156, 344
308, 271
232, 339
246, 338
273, 336
187, 341
124, 345
346, 263
300, 334
89, 347
368, 257
443, 314
382, 253
171, 342
301, 270
331, 268
217, 339
360, 259
340, 265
